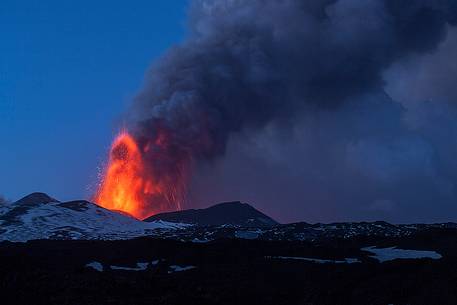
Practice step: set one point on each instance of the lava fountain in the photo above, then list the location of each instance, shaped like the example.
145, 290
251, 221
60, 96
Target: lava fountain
130, 185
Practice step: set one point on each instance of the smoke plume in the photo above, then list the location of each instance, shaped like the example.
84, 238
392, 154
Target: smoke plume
308, 108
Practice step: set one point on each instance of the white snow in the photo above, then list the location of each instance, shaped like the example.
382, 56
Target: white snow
51, 221
4, 208
95, 265
139, 267
317, 260
250, 234
177, 268
196, 240
391, 253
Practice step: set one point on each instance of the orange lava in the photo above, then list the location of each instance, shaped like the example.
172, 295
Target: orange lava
124, 186
143, 180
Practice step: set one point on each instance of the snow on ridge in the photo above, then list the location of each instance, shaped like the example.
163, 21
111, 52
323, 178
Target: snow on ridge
54, 221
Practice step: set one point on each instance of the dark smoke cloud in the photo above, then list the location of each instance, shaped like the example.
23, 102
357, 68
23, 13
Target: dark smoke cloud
292, 105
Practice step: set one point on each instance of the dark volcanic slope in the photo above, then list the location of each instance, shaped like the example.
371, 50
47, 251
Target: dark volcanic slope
229, 213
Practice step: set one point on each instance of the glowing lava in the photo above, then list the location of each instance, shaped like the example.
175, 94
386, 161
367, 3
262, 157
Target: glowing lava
124, 186
143, 179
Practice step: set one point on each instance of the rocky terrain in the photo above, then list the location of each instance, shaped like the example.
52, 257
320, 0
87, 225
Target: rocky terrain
75, 252
39, 216
414, 269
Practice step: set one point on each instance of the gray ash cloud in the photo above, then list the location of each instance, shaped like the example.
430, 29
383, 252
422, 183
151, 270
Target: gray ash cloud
300, 92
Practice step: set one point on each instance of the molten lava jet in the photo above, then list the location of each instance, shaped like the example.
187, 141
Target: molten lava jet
129, 185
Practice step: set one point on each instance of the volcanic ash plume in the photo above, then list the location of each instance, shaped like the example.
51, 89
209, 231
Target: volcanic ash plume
248, 65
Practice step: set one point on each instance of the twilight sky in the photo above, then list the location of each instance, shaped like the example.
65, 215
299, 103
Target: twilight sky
67, 71
316, 110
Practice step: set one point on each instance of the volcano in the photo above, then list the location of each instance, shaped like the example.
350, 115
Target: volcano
227, 213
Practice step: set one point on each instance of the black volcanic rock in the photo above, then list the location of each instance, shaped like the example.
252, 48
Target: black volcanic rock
230, 213
227, 272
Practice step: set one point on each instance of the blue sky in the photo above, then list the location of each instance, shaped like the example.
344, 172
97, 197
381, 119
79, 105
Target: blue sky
68, 69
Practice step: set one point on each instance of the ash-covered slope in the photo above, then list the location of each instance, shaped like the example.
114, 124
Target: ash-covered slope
39, 216
227, 213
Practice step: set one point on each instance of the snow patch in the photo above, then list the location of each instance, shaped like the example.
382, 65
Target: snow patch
248, 234
349, 260
196, 240
176, 268
391, 253
96, 266
139, 267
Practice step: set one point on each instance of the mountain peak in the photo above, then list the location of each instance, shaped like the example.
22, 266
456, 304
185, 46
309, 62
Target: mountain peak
39, 216
36, 198
230, 204
231, 213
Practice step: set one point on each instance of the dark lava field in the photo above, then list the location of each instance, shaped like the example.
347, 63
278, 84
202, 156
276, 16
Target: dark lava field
151, 270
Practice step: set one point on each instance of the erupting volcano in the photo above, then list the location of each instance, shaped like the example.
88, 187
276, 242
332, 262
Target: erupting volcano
132, 186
